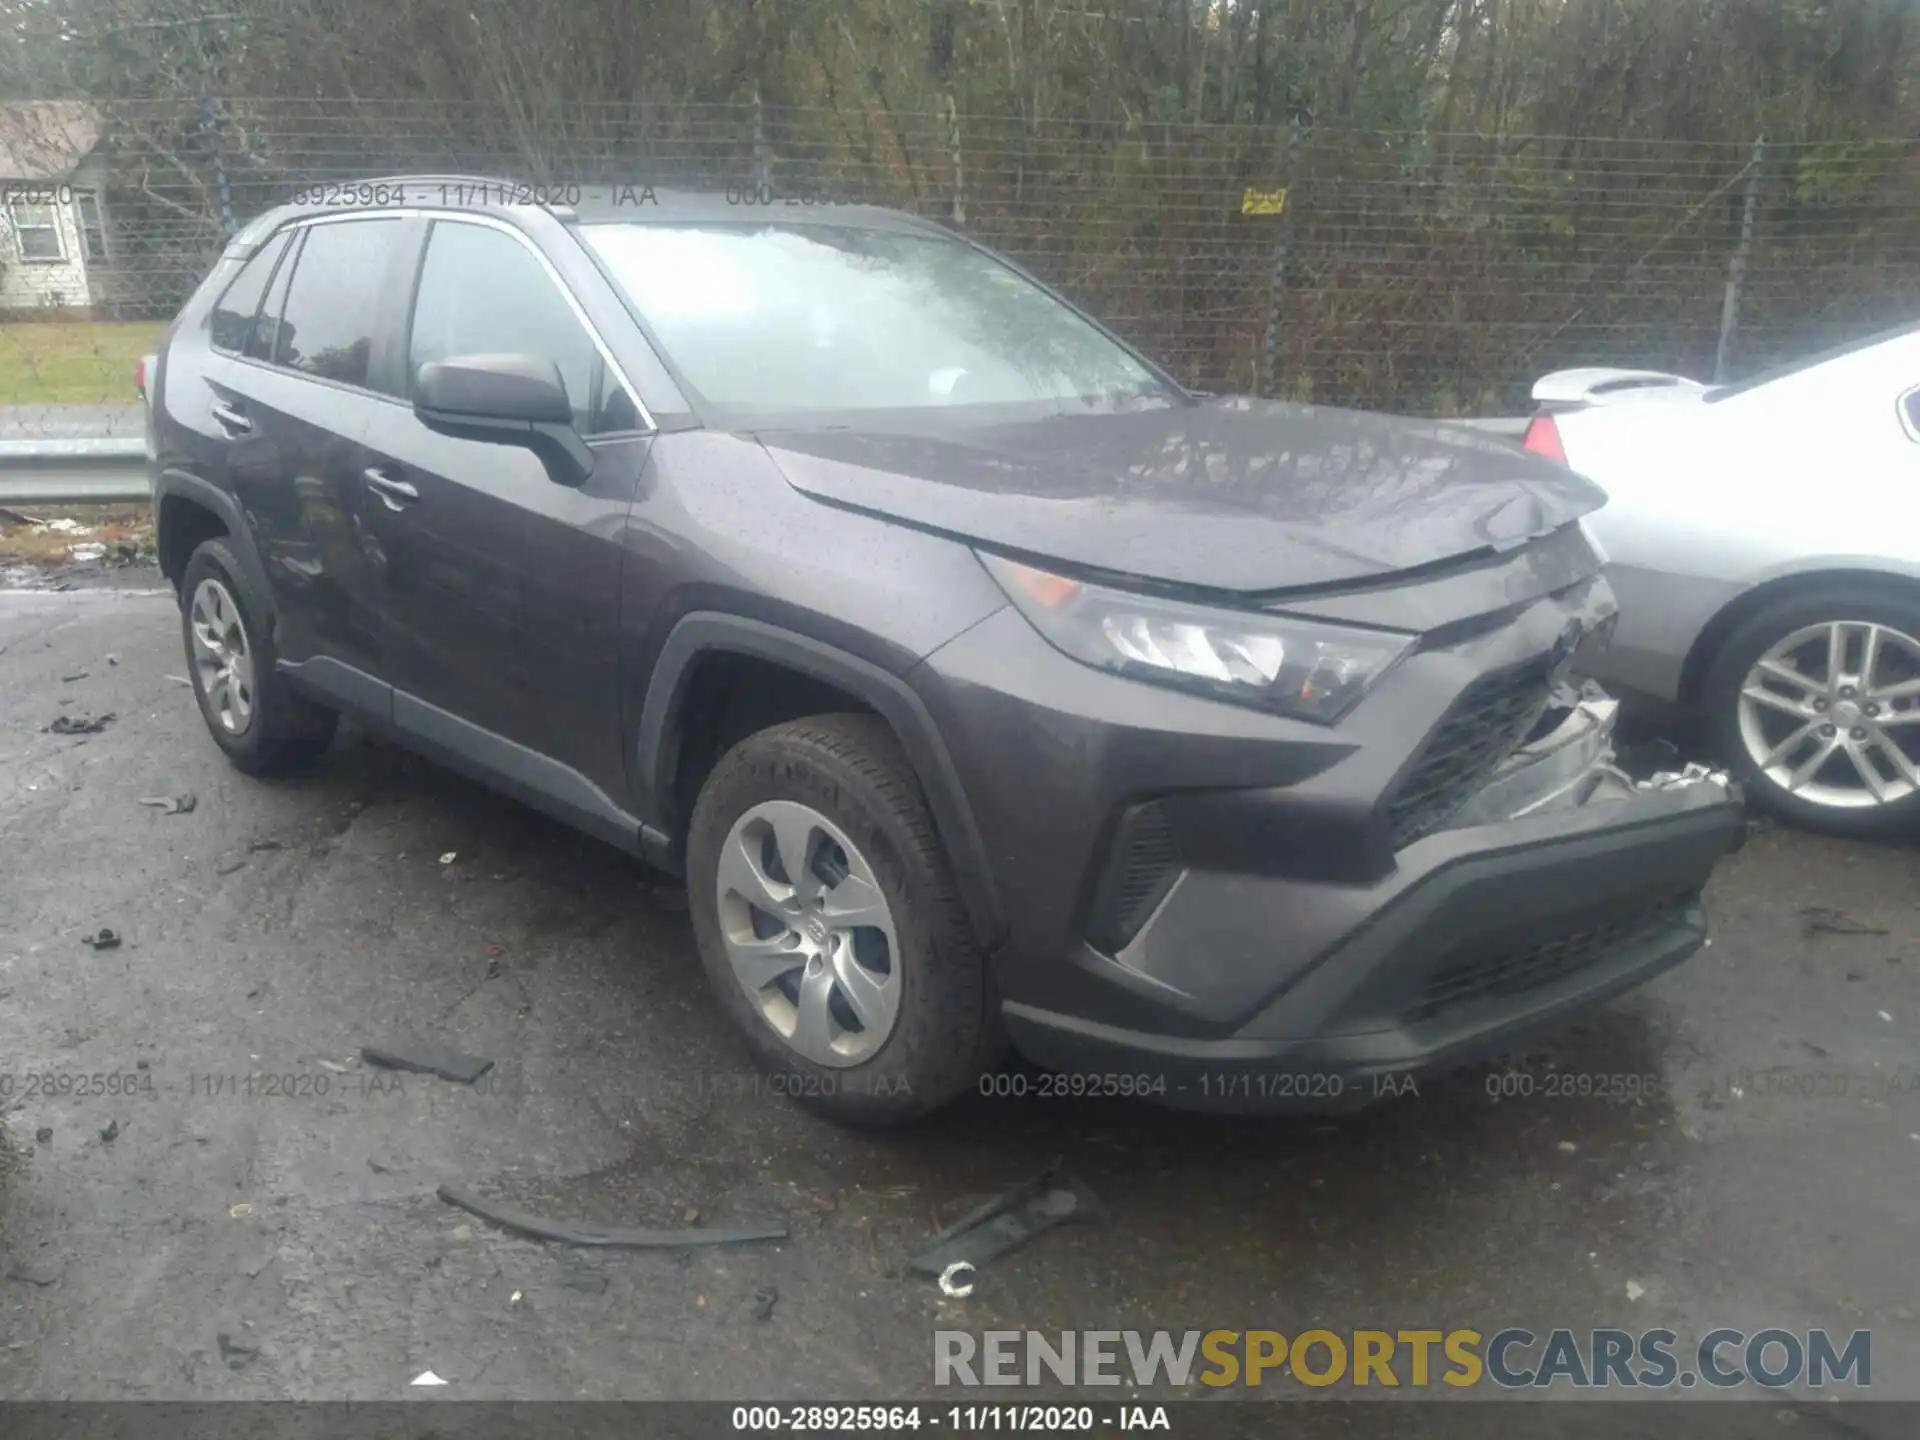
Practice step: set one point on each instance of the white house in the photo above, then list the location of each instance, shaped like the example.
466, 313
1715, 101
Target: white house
56, 251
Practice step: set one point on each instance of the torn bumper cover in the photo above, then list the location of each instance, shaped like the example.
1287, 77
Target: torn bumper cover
1562, 883
1569, 762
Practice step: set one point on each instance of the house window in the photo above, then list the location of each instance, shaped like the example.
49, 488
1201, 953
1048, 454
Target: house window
93, 231
36, 234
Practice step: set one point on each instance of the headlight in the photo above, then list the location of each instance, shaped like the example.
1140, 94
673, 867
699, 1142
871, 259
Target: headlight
1297, 667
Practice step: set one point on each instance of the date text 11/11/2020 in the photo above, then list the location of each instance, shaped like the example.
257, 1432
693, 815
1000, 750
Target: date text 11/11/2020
459, 194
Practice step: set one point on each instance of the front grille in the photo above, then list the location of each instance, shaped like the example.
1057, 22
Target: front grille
1140, 868
1486, 725
1523, 968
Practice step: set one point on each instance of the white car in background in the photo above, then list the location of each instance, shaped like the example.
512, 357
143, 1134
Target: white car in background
1764, 542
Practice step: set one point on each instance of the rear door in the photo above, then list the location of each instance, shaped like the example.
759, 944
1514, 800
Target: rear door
294, 402
505, 585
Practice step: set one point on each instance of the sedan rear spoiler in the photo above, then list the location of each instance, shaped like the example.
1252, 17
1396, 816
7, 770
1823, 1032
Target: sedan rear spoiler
1600, 386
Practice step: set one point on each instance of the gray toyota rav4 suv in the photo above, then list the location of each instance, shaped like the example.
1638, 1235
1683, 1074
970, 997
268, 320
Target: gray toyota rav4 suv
988, 688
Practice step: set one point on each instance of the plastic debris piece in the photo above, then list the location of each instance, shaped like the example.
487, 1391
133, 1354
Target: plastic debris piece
1825, 920
240, 1211
606, 1237
1053, 1198
80, 725
44, 1135
111, 1133
1635, 1289
237, 1355
957, 1279
181, 680
102, 939
454, 1065
173, 804
426, 1377
449, 857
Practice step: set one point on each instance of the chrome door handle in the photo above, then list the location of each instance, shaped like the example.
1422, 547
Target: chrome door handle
394, 494
231, 420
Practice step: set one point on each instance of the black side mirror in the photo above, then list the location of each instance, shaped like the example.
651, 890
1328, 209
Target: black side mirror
508, 400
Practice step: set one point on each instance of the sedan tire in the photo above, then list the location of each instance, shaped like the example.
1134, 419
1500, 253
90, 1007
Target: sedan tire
1814, 702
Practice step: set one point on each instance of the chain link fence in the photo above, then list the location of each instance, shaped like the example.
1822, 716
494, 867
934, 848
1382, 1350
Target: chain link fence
1431, 274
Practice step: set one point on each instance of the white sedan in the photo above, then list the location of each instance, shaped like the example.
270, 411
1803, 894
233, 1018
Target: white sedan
1764, 542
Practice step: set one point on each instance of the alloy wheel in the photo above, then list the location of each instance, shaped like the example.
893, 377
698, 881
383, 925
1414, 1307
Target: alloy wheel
809, 933
222, 656
1831, 714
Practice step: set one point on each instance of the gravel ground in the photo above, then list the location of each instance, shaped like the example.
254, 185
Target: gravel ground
1767, 1177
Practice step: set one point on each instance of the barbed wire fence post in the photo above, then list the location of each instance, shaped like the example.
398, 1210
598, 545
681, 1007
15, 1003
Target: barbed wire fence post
1737, 266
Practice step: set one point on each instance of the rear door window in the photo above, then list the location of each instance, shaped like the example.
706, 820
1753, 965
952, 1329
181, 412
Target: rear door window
231, 322
327, 326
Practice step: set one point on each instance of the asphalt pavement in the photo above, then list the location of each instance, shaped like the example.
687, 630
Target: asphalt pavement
198, 1152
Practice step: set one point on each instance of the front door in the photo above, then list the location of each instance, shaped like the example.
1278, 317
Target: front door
504, 586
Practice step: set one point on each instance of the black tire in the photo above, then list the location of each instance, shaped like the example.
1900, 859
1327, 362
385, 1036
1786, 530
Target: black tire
851, 770
1720, 696
286, 730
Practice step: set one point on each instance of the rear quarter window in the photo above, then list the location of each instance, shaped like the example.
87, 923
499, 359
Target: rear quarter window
232, 318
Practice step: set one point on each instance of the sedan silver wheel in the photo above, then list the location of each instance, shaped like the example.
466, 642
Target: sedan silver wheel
809, 933
1831, 714
222, 656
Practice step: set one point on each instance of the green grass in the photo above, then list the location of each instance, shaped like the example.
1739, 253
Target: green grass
51, 362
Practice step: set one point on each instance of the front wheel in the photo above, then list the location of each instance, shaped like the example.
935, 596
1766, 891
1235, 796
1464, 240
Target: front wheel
830, 927
1815, 703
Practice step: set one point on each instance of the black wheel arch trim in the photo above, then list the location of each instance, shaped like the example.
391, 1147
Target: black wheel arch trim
208, 496
657, 751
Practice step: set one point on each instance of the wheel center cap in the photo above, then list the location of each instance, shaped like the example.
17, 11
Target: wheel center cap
1846, 712
816, 929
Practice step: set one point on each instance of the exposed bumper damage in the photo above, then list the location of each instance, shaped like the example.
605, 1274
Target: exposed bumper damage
1570, 762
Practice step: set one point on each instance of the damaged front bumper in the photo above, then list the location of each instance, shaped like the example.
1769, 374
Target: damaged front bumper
1562, 883
1570, 762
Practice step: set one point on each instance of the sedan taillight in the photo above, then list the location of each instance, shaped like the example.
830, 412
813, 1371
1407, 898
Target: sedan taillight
1543, 438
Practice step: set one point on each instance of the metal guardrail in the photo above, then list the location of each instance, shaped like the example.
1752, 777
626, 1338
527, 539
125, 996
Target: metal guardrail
113, 470
97, 471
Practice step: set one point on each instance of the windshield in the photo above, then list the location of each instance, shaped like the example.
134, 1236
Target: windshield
772, 318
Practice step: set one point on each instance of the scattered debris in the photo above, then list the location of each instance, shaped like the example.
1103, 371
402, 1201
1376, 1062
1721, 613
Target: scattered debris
377, 1168
514, 1298
1824, 920
40, 1276
111, 1133
763, 1300
590, 1282
228, 867
426, 1377
237, 1355
69, 679
1635, 1289
608, 1237
102, 939
173, 804
44, 1135
449, 857
79, 725
1012, 1219
88, 552
181, 680
255, 846
1884, 1016
240, 1211
1566, 1147
427, 1060
957, 1280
